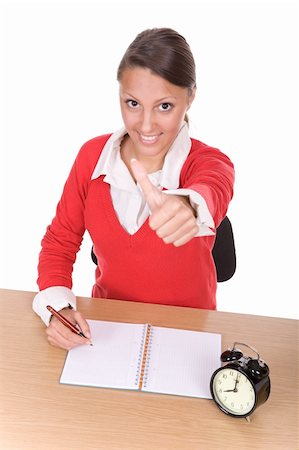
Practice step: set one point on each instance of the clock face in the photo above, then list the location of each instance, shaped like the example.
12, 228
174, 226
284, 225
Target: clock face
233, 391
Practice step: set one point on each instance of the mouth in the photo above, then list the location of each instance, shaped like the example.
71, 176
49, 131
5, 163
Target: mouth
149, 139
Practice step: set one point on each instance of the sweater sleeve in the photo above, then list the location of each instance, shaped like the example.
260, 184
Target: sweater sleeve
64, 235
210, 173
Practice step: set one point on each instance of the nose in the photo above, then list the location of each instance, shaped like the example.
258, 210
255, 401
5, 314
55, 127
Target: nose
147, 122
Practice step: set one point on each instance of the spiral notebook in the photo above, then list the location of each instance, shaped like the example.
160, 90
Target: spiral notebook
145, 357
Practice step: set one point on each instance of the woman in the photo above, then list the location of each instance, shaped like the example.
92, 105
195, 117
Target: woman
149, 195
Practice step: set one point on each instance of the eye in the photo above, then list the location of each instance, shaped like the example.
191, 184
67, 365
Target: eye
132, 104
165, 106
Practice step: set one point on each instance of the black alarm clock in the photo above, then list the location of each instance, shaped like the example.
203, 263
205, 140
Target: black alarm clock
242, 384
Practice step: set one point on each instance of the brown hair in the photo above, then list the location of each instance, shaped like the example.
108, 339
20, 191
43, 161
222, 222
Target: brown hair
163, 51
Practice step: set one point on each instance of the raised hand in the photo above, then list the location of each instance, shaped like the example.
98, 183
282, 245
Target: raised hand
172, 216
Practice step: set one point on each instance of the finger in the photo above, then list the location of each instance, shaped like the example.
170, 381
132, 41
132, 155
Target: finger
58, 340
64, 338
76, 318
186, 238
153, 196
175, 214
84, 327
57, 330
171, 233
174, 228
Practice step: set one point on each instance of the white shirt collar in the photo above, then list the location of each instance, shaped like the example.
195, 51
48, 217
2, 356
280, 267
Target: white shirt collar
111, 165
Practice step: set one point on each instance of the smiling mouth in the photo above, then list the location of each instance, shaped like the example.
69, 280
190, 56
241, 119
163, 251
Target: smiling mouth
149, 139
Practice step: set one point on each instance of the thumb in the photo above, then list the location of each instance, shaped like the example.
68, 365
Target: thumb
82, 324
152, 194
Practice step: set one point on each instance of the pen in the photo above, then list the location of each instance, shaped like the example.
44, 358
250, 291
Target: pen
65, 322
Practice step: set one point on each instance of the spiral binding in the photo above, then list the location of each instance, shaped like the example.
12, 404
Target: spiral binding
140, 355
148, 354
145, 347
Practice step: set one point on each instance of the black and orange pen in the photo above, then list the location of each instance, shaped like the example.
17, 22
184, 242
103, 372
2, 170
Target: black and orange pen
65, 322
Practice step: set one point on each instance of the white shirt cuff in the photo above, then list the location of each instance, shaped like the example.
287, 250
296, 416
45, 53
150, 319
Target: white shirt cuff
58, 297
205, 220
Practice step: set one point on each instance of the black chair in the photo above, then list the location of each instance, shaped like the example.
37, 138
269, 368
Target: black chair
223, 252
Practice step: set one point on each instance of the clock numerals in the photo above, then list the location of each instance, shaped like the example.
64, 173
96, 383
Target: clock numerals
233, 391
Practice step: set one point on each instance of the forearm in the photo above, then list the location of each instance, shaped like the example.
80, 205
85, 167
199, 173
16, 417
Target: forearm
211, 175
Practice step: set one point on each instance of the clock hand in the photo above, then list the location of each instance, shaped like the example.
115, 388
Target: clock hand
235, 388
237, 381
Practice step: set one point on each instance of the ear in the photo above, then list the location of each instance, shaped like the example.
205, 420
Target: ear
192, 94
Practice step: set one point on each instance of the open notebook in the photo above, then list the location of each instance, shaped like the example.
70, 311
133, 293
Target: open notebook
145, 357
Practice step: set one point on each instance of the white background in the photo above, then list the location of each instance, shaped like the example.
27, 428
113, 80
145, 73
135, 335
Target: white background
59, 89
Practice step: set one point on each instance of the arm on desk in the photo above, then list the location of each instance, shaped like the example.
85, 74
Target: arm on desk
60, 298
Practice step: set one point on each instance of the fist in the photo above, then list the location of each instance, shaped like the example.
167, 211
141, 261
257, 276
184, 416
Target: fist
172, 217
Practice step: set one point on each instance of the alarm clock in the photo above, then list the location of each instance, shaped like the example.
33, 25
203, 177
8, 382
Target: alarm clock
242, 384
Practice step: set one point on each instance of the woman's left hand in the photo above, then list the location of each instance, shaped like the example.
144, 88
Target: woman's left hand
172, 218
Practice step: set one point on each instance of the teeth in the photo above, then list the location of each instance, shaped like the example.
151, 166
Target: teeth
148, 138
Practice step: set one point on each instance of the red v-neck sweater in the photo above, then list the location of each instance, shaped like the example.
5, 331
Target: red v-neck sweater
138, 267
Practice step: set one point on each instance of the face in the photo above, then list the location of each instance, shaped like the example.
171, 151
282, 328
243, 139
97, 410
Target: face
233, 391
153, 112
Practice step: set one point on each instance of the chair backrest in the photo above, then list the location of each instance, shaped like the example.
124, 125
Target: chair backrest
223, 252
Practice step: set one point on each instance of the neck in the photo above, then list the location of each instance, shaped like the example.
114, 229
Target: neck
127, 152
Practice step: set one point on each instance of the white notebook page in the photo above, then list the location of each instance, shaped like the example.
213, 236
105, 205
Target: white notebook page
181, 362
112, 361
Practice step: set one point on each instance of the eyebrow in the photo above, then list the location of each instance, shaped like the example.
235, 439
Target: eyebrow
160, 100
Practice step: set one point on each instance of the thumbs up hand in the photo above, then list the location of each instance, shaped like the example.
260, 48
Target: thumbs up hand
172, 218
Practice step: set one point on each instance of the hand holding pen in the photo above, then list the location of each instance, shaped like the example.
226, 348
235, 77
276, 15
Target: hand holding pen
69, 330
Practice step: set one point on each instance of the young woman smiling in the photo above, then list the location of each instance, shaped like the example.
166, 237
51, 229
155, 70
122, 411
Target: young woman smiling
149, 195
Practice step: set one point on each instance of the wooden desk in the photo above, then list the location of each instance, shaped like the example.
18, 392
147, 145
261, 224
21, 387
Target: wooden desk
38, 413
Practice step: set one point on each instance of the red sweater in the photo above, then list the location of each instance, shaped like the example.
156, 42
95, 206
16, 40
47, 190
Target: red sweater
138, 267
